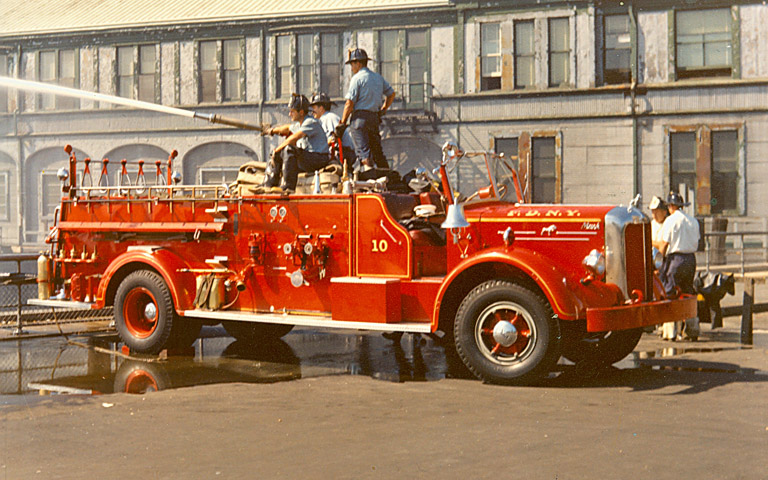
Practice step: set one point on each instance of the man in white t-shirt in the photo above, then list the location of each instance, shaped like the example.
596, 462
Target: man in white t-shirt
679, 242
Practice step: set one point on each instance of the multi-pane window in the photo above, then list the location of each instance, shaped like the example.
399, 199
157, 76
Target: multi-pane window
304, 64
50, 190
725, 171
507, 147
330, 64
618, 48
389, 54
490, 56
4, 70
208, 71
403, 63
705, 164
5, 196
232, 66
559, 52
416, 54
703, 40
524, 55
544, 168
137, 72
220, 70
217, 175
283, 56
59, 67
682, 147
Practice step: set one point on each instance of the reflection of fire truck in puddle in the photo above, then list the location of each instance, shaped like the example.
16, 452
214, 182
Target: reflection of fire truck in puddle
512, 286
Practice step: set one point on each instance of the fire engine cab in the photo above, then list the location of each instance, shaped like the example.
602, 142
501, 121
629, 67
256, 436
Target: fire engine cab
511, 286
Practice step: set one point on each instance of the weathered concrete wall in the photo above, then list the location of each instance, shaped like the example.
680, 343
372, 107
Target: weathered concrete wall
169, 62
653, 40
89, 70
584, 48
254, 71
107, 68
187, 77
754, 39
441, 62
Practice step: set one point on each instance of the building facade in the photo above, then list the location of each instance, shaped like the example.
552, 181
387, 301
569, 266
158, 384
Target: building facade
594, 101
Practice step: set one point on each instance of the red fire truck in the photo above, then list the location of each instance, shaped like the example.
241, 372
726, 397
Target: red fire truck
512, 286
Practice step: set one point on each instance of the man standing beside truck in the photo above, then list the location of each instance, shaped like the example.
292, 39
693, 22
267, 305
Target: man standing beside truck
679, 242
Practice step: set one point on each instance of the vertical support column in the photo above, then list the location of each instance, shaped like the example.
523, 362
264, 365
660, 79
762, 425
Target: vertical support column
18, 330
746, 312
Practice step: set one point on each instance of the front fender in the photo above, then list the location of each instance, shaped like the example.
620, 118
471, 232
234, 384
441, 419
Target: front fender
165, 262
568, 297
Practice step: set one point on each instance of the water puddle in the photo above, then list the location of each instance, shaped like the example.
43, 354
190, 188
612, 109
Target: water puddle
52, 366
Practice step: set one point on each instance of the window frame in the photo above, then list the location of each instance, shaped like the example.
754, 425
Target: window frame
517, 56
202, 170
135, 76
59, 102
704, 70
489, 82
221, 95
616, 76
524, 159
704, 165
405, 87
322, 64
551, 52
5, 199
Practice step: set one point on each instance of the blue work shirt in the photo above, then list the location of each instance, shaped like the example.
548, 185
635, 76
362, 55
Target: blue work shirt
329, 120
366, 89
315, 140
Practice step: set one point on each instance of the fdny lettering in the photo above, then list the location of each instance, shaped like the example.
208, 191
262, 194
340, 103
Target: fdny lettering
573, 213
532, 213
554, 213
590, 226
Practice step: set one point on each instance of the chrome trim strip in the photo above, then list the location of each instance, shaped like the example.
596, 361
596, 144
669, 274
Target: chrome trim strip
309, 321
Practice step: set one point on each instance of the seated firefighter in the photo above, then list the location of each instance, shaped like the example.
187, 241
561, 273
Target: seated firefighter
304, 150
321, 107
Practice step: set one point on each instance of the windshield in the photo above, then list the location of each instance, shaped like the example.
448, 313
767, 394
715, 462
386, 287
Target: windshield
474, 172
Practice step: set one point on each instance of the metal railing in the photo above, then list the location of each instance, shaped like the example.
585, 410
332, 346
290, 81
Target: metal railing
17, 286
718, 254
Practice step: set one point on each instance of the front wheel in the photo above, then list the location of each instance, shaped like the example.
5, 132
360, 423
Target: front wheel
505, 333
144, 313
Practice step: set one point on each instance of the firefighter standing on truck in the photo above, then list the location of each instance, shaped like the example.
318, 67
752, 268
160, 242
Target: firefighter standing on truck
365, 108
305, 149
679, 242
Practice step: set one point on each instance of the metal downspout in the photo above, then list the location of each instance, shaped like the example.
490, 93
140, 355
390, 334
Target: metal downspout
633, 104
264, 153
20, 152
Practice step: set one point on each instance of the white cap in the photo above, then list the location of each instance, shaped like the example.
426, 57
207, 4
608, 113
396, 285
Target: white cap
655, 203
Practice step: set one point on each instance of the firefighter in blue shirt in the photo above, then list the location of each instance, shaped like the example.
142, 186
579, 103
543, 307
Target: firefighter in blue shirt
304, 150
364, 108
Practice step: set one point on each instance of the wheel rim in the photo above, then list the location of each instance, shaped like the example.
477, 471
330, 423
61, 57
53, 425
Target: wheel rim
140, 312
520, 319
139, 382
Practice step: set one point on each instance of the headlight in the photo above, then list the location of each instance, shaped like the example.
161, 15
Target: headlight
658, 258
595, 263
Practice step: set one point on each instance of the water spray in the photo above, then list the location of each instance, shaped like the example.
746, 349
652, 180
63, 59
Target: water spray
39, 87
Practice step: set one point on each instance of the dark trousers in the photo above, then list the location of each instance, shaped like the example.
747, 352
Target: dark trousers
678, 270
290, 161
364, 130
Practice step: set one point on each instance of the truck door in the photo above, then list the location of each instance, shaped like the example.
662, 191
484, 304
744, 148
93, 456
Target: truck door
382, 246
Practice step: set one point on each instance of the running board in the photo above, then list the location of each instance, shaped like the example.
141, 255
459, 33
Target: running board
308, 321
51, 302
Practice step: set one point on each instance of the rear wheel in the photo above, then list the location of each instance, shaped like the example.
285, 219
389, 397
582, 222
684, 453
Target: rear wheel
601, 349
144, 313
251, 332
506, 333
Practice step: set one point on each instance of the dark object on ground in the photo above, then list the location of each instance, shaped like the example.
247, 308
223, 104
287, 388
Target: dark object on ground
713, 287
